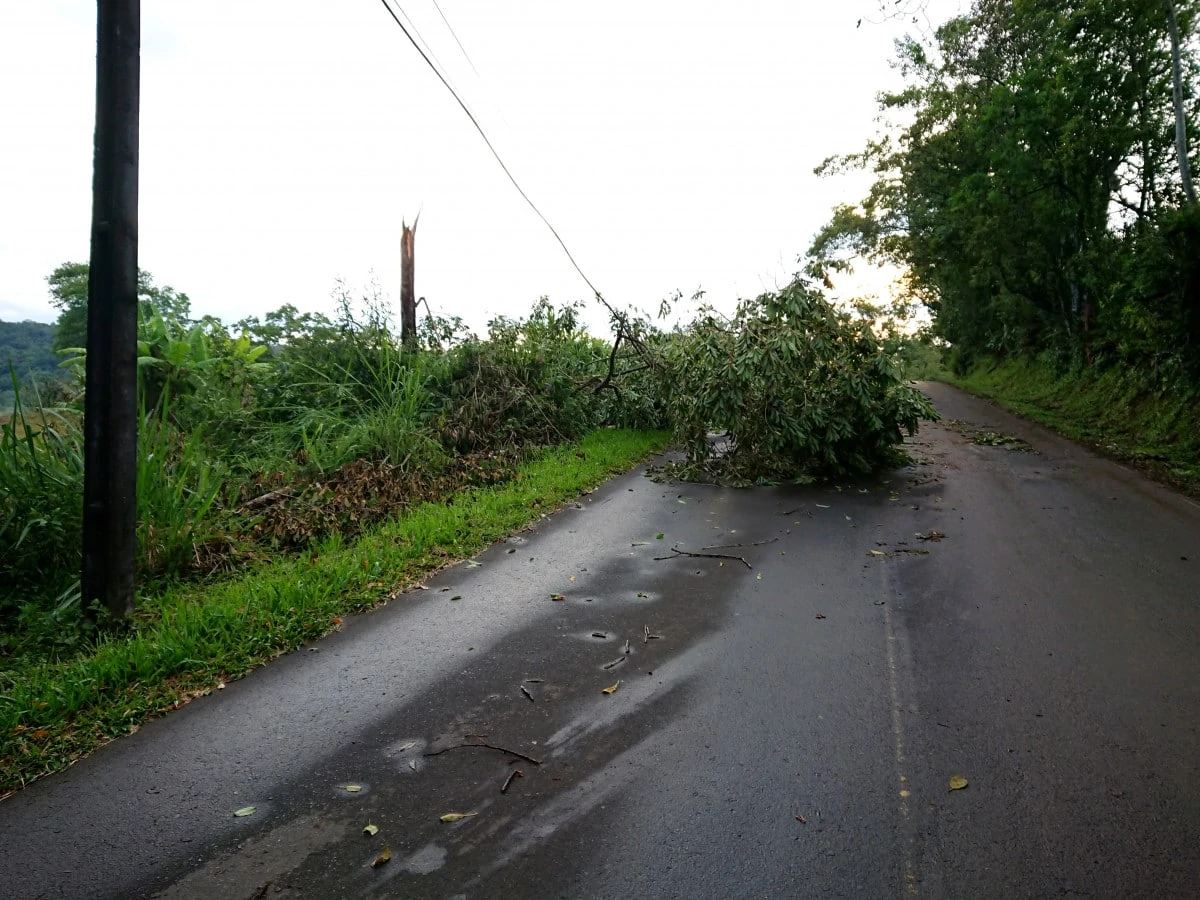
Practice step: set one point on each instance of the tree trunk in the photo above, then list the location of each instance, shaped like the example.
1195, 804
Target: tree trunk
408, 301
1181, 147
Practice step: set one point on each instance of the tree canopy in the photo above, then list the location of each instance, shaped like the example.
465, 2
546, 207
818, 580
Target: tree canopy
1033, 189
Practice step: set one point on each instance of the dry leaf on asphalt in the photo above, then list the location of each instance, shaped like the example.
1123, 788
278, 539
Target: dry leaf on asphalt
354, 788
957, 782
457, 817
382, 858
611, 688
372, 830
246, 811
557, 597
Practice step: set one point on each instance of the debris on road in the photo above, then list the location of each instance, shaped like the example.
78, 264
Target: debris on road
456, 817
515, 773
527, 693
370, 830
382, 858
957, 782
611, 689
485, 746
680, 553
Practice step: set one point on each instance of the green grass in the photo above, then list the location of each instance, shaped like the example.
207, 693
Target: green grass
191, 637
1121, 413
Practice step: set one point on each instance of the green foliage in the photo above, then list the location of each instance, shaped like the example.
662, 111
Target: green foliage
803, 389
69, 293
26, 347
331, 420
1033, 193
189, 636
1139, 416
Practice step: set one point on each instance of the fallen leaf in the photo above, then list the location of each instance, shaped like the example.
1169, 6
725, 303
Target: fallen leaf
599, 634
372, 830
246, 811
472, 564
611, 688
957, 782
382, 858
511, 550
820, 615
456, 597
407, 746
412, 764
659, 536
557, 597
457, 817
642, 594
354, 788
572, 578
759, 576
878, 553
802, 820
822, 506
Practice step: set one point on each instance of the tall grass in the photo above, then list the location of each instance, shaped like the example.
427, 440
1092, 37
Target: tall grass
225, 423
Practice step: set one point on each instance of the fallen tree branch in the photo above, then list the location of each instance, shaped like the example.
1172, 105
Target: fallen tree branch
705, 556
731, 546
536, 762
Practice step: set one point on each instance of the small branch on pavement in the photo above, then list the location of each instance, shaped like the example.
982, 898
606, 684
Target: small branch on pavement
536, 762
679, 553
515, 773
731, 546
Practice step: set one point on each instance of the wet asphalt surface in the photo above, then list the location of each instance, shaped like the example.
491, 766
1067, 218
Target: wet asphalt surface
789, 731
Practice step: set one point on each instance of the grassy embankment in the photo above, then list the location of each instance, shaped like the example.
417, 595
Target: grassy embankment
191, 637
1119, 413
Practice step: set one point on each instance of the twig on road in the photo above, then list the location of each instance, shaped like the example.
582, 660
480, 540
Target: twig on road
704, 556
515, 773
536, 762
732, 546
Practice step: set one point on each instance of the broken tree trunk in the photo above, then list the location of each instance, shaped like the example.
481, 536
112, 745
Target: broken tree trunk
408, 301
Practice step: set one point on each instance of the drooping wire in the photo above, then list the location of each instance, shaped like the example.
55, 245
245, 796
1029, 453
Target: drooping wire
483, 134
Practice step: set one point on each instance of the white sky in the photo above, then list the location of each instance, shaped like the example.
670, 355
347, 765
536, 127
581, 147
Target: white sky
282, 142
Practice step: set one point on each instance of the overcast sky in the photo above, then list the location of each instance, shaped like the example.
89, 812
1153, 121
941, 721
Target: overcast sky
283, 141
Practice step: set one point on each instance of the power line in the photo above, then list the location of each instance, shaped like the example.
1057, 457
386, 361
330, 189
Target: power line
483, 135
421, 38
456, 40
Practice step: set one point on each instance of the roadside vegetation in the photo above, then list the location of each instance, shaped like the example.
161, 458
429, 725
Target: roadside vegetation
297, 468
1035, 182
1152, 426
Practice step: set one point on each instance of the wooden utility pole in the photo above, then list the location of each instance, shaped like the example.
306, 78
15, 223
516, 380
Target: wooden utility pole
110, 404
408, 302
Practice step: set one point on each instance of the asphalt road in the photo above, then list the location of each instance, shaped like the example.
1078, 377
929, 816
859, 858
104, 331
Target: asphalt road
790, 731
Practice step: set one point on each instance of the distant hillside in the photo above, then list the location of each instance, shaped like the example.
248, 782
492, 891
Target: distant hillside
26, 346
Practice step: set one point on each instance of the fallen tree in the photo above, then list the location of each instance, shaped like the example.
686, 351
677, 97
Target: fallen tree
803, 389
